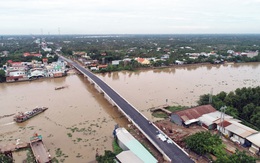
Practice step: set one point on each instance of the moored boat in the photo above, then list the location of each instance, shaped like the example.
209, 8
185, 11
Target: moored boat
23, 116
39, 150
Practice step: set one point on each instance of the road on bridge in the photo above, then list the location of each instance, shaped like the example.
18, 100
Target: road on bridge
172, 150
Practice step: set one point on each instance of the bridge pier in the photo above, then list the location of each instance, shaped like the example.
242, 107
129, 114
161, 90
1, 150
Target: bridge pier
98, 88
90, 80
109, 99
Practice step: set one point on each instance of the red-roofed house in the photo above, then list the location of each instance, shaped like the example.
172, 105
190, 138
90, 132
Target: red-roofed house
102, 66
191, 115
45, 60
34, 54
26, 54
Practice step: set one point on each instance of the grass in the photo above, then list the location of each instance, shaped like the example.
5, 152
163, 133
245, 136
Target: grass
159, 114
116, 147
176, 108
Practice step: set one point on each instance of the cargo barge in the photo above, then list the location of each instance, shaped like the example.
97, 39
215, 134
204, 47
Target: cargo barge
23, 116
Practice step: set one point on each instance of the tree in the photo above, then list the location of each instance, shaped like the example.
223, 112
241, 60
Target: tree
238, 157
5, 159
2, 76
204, 142
108, 157
204, 99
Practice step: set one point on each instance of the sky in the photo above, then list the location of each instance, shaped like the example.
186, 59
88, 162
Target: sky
129, 17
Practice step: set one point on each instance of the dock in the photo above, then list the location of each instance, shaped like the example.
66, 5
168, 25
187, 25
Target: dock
161, 108
11, 147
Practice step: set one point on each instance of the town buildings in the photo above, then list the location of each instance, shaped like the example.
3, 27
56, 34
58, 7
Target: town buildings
21, 71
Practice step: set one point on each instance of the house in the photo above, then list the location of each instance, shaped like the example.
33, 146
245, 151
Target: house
45, 60
143, 61
36, 73
32, 54
179, 62
238, 132
213, 120
16, 75
165, 56
254, 139
115, 62
251, 54
191, 115
102, 67
128, 143
56, 69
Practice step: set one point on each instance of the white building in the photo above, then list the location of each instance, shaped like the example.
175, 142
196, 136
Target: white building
56, 69
255, 140
128, 143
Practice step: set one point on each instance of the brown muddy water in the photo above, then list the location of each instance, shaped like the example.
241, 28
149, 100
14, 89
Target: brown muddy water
79, 120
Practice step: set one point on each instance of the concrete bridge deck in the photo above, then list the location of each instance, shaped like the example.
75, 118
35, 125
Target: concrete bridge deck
169, 149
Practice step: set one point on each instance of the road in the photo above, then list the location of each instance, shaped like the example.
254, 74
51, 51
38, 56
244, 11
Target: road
172, 150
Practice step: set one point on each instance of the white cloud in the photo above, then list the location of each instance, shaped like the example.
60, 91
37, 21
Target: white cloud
135, 16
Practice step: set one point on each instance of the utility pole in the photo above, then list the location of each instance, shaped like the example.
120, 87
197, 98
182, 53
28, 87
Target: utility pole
210, 96
222, 117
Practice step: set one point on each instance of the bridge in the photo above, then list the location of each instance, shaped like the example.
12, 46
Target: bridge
167, 147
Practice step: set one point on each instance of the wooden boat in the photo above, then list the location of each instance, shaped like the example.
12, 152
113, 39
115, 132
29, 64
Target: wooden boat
61, 87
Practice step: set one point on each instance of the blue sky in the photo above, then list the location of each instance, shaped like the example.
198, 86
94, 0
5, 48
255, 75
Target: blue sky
129, 17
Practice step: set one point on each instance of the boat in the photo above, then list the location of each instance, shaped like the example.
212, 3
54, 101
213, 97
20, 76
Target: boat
39, 150
23, 116
61, 87
58, 88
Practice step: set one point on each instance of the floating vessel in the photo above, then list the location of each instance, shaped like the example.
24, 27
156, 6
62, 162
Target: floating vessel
61, 87
21, 117
39, 150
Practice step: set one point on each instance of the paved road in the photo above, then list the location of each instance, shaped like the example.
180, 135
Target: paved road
170, 149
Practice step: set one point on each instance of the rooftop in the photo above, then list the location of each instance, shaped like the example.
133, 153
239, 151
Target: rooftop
195, 112
128, 157
134, 146
254, 138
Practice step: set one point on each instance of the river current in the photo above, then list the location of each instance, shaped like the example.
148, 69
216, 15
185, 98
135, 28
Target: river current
80, 122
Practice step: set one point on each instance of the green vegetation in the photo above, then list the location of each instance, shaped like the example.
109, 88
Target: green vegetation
116, 147
243, 104
2, 76
160, 114
238, 157
60, 155
69, 135
204, 143
108, 157
176, 108
5, 159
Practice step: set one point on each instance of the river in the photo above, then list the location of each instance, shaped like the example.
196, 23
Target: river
80, 121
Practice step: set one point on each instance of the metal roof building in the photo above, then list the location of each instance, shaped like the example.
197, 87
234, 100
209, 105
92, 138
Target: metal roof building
128, 157
191, 115
127, 142
255, 140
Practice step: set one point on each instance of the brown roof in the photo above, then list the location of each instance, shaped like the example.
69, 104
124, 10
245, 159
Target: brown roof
224, 123
195, 112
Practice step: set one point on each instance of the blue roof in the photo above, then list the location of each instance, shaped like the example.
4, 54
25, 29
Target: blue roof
139, 150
